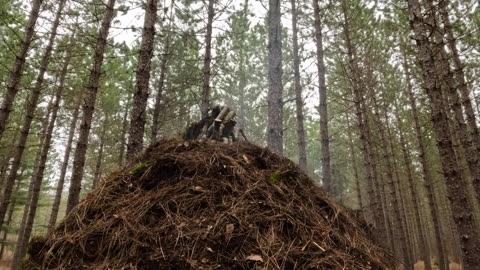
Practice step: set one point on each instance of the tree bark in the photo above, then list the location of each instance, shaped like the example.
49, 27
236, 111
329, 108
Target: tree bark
207, 61
123, 135
88, 109
11, 208
387, 158
158, 97
354, 165
98, 163
421, 234
435, 74
37, 178
242, 82
301, 143
373, 190
275, 72
140, 96
322, 109
63, 170
16, 74
460, 77
427, 175
30, 108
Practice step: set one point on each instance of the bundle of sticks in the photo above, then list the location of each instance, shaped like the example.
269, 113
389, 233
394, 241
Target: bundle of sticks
218, 125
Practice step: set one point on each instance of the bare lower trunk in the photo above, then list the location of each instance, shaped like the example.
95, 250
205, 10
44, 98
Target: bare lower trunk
88, 109
207, 62
30, 108
16, 74
354, 165
427, 175
301, 144
158, 97
421, 234
11, 208
435, 75
387, 158
373, 190
63, 170
123, 135
275, 72
322, 109
37, 177
98, 164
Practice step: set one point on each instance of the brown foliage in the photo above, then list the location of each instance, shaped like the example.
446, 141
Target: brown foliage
194, 205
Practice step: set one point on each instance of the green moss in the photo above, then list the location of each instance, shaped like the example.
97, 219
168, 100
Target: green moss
275, 177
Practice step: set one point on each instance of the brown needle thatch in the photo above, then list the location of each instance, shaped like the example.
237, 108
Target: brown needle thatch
200, 205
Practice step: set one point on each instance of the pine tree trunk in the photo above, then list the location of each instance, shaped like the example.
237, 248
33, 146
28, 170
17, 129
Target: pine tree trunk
88, 109
207, 62
275, 72
11, 209
98, 164
427, 175
373, 190
434, 77
356, 177
242, 82
322, 109
63, 170
301, 144
140, 96
123, 135
421, 234
16, 74
460, 76
158, 97
387, 158
37, 178
30, 108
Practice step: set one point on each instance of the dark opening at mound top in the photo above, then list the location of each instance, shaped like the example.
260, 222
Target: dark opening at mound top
197, 205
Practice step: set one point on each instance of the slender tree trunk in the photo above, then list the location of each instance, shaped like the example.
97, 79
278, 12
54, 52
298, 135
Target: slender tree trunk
98, 164
301, 144
242, 82
275, 72
123, 135
373, 190
460, 76
30, 108
16, 74
63, 170
354, 165
421, 234
11, 209
322, 109
207, 61
88, 109
427, 175
158, 97
387, 158
434, 77
140, 96
37, 178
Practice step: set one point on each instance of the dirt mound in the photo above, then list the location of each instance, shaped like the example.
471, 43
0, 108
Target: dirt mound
192, 205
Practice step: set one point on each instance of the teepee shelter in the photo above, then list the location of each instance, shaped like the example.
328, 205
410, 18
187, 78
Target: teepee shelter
208, 205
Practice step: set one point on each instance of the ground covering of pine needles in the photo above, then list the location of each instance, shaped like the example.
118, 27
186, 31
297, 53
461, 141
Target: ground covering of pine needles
206, 205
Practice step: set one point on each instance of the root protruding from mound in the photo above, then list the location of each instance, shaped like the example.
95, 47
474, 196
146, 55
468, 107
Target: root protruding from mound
199, 205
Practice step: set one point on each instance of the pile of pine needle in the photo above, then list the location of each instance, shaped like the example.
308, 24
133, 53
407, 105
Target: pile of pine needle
207, 205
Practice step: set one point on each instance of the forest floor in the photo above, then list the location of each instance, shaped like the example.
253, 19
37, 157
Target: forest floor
420, 266
6, 261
